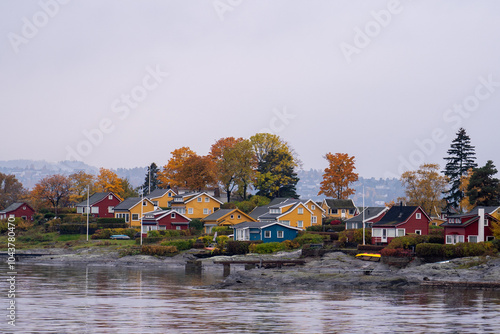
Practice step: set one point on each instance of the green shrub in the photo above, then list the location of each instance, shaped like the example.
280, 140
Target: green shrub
196, 224
430, 250
308, 238
148, 240
290, 244
157, 250
206, 239
72, 229
496, 244
407, 242
267, 248
75, 218
102, 234
222, 240
107, 221
179, 244
222, 230
315, 228
153, 234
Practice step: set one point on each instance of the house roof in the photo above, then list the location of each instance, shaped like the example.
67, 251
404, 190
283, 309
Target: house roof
259, 211
187, 197
159, 214
371, 212
340, 203
158, 193
130, 202
95, 198
261, 225
474, 212
14, 206
396, 215
218, 214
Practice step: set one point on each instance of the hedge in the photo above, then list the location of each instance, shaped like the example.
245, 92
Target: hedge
464, 249
158, 250
267, 248
107, 221
396, 252
76, 229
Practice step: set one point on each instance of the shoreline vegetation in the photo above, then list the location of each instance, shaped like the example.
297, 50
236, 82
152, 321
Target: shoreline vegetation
335, 269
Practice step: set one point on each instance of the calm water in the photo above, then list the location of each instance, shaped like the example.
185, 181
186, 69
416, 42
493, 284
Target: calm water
54, 299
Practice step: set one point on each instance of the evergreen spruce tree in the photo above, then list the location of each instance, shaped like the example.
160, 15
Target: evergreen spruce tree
483, 188
151, 181
461, 158
276, 176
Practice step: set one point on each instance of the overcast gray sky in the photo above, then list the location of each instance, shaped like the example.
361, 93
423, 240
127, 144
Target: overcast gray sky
124, 83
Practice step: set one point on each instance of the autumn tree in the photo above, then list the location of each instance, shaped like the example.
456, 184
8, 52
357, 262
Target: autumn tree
197, 173
465, 204
224, 163
338, 176
245, 167
151, 181
460, 160
276, 162
108, 181
80, 182
128, 189
11, 190
495, 225
53, 189
424, 186
483, 188
170, 175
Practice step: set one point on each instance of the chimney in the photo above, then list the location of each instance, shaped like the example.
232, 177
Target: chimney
480, 225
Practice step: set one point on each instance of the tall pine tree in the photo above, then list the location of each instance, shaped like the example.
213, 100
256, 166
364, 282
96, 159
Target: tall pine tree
461, 158
151, 181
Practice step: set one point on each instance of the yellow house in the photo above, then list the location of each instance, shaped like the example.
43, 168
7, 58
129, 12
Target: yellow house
195, 205
339, 208
225, 217
161, 197
130, 209
293, 212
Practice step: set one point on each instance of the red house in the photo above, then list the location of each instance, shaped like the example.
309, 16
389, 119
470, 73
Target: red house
101, 205
398, 222
474, 226
164, 220
18, 210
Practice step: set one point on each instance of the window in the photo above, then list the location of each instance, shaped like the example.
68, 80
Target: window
419, 232
110, 197
232, 216
155, 203
162, 227
267, 234
177, 227
169, 194
190, 211
135, 216
206, 211
300, 223
473, 238
126, 216
454, 238
343, 211
490, 238
111, 209
24, 217
94, 209
313, 207
335, 211
285, 222
300, 211
207, 199
280, 235
172, 215
144, 203
24, 208
199, 199
486, 222
351, 211
314, 220
239, 216
274, 210
418, 216
401, 232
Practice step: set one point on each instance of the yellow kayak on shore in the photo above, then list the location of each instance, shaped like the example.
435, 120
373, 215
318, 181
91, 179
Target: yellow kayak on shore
369, 257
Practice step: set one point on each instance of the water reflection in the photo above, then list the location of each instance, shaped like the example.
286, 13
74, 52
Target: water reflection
152, 300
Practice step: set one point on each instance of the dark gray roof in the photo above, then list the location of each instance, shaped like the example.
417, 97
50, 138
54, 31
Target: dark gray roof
396, 215
97, 197
128, 203
218, 214
475, 211
259, 225
370, 213
340, 203
157, 193
12, 207
259, 211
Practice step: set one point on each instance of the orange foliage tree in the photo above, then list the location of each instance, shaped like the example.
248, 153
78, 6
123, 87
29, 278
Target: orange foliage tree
226, 163
53, 189
170, 175
107, 180
338, 176
197, 172
79, 183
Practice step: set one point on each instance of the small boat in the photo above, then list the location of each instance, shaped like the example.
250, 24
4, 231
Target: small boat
369, 257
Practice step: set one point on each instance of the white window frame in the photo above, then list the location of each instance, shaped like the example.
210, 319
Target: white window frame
206, 211
177, 227
267, 234
172, 215
190, 211
232, 216
285, 222
490, 238
136, 215
300, 211
418, 215
314, 220
313, 207
399, 234
155, 203
207, 199
280, 234
199, 199
300, 223
472, 236
94, 209
111, 209
239, 216
162, 227
144, 203
110, 197
419, 232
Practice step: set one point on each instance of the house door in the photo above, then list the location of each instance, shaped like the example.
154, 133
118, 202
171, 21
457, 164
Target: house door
384, 235
342, 213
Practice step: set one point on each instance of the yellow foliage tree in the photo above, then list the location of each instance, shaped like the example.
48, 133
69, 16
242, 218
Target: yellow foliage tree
495, 225
465, 205
338, 176
424, 186
107, 180
79, 183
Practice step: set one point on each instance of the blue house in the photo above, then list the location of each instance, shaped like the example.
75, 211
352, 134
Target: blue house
265, 231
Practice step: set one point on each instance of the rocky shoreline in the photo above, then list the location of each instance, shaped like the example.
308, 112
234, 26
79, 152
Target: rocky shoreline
331, 270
